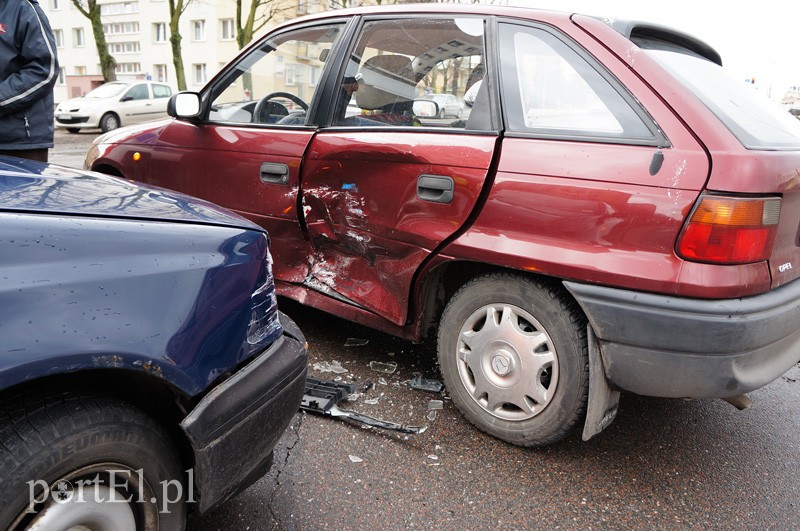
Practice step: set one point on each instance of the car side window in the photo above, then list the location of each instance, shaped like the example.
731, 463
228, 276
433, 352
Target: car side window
411, 72
137, 92
276, 82
553, 90
161, 91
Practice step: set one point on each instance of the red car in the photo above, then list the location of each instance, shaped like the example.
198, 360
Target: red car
611, 214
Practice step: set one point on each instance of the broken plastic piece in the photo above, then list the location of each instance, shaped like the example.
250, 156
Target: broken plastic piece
332, 366
435, 404
355, 459
385, 367
432, 415
355, 342
418, 382
322, 397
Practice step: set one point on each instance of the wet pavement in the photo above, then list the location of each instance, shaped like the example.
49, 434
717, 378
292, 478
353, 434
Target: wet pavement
662, 463
669, 464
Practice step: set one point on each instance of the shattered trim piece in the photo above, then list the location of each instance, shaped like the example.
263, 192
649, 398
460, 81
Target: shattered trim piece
322, 397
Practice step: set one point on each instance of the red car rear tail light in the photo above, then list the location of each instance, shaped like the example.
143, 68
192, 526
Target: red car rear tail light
730, 230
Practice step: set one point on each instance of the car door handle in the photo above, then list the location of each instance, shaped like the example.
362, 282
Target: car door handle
274, 173
435, 188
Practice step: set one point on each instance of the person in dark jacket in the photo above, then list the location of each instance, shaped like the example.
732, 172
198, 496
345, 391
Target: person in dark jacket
28, 72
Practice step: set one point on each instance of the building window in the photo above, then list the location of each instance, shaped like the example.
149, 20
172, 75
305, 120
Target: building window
124, 47
160, 32
129, 68
80, 70
199, 74
119, 8
228, 31
161, 73
290, 75
313, 76
58, 35
302, 6
198, 30
55, 5
77, 38
121, 28
62, 76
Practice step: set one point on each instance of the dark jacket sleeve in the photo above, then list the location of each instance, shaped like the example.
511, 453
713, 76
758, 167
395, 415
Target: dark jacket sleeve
38, 66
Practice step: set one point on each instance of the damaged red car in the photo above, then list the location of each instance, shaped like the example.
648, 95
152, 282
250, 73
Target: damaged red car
610, 213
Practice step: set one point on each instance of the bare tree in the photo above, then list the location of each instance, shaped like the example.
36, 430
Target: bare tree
91, 10
259, 14
176, 10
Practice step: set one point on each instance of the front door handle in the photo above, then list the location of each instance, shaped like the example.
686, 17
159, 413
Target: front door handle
274, 173
435, 188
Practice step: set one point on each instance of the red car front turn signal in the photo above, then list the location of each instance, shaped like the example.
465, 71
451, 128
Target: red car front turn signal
730, 230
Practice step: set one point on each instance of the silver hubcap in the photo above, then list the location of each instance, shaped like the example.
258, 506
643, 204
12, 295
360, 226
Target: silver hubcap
507, 362
87, 512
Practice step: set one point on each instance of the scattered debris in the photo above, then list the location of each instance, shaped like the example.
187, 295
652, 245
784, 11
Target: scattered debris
433, 407
373, 401
369, 384
385, 367
435, 404
382, 381
433, 457
355, 342
418, 382
333, 366
355, 459
322, 397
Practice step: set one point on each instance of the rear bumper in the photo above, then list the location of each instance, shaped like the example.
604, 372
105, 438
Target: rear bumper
664, 346
235, 427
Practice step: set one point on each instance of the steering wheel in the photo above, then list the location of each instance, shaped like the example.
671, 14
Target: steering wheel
264, 104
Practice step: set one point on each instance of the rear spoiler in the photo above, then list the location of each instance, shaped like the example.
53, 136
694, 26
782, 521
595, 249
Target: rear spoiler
654, 37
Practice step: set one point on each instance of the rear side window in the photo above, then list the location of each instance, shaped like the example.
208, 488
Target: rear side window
161, 91
551, 89
757, 122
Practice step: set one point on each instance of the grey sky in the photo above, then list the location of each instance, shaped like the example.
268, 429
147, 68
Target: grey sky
761, 40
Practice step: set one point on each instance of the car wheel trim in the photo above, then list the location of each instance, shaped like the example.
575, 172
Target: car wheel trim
76, 501
507, 362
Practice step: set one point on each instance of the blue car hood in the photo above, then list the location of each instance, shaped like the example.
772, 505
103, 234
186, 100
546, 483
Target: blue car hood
48, 188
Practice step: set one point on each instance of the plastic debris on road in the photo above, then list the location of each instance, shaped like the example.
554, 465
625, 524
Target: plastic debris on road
329, 366
322, 397
422, 384
355, 342
355, 459
385, 367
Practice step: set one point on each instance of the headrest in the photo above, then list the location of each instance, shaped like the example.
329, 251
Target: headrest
385, 80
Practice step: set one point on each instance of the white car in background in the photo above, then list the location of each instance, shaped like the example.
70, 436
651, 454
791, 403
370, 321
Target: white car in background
114, 104
449, 105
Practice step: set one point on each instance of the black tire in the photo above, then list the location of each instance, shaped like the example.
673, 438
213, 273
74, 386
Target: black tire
523, 376
53, 442
73, 130
109, 122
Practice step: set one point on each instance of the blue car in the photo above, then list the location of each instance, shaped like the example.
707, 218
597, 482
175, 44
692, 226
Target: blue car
145, 369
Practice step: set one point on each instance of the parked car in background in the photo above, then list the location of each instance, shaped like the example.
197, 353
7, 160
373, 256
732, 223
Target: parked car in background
114, 104
144, 365
615, 214
449, 105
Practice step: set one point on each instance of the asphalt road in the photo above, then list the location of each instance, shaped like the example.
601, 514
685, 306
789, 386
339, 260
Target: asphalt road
668, 464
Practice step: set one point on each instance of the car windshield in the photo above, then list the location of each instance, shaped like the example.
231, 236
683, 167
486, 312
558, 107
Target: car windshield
109, 90
757, 122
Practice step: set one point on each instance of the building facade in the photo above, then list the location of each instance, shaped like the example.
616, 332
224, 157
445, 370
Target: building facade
137, 34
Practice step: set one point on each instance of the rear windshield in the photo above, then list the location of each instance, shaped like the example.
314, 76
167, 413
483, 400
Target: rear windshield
757, 122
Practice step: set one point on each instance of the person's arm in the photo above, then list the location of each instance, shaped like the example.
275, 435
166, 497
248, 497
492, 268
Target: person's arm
39, 70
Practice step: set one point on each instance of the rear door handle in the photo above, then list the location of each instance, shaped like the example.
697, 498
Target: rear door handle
274, 173
435, 188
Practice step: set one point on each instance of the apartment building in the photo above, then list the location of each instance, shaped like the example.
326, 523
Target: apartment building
137, 33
